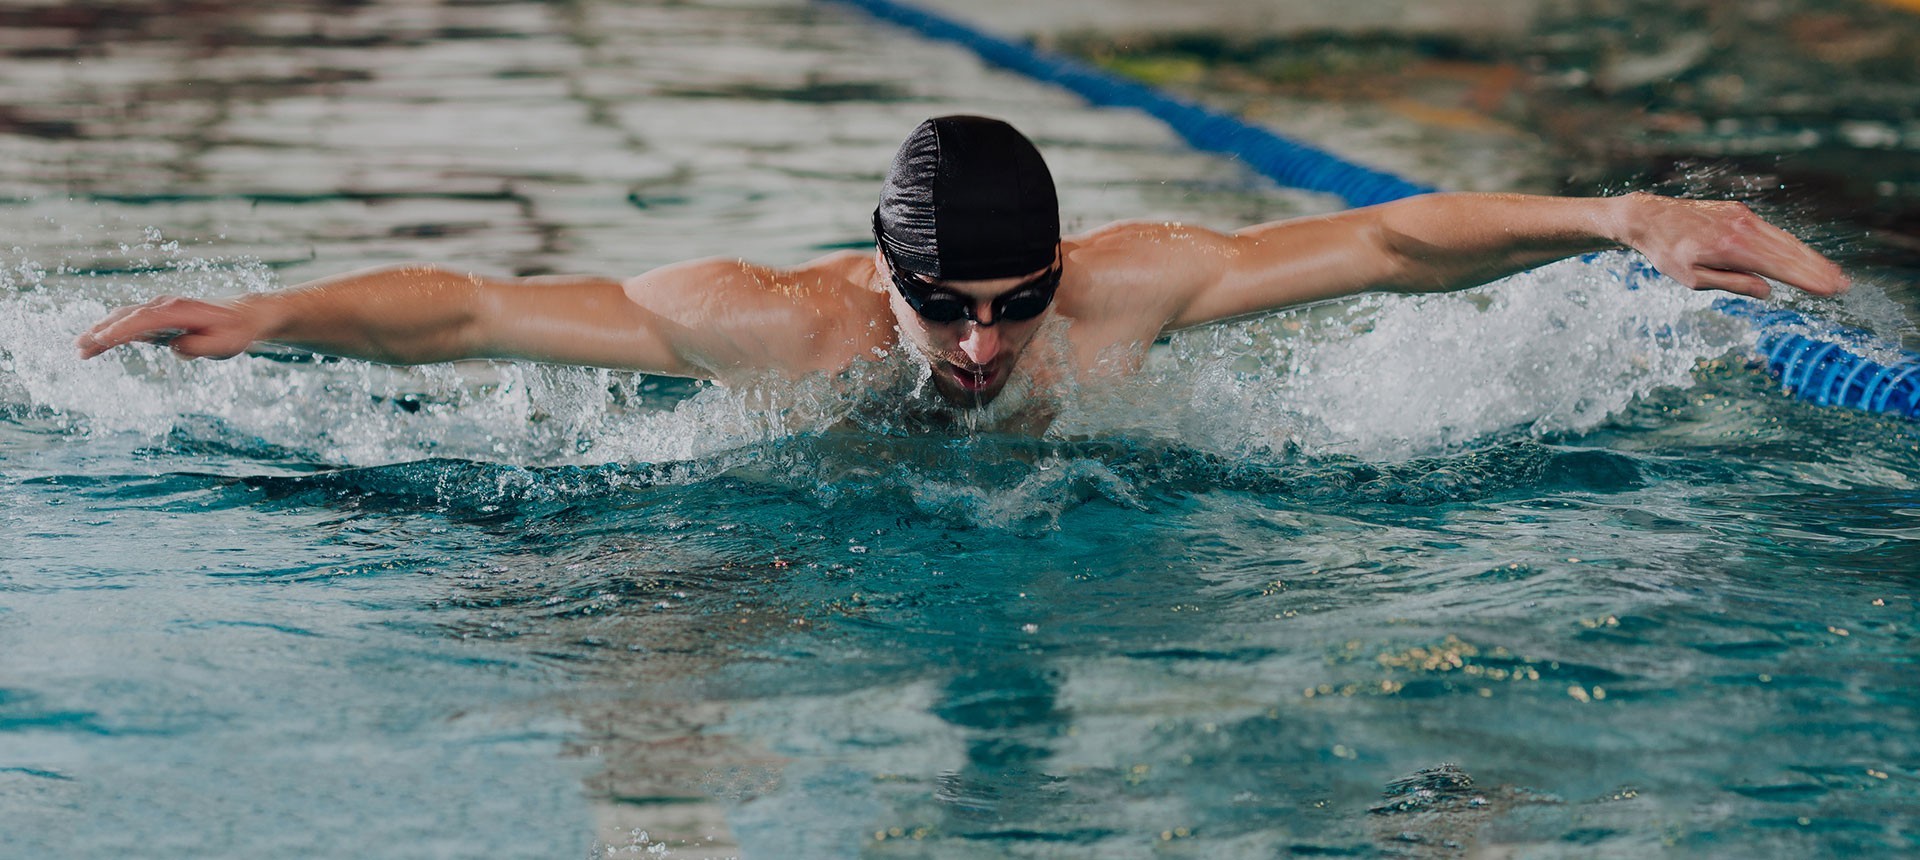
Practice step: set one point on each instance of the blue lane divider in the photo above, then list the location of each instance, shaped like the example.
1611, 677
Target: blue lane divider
1815, 360
1287, 162
1831, 365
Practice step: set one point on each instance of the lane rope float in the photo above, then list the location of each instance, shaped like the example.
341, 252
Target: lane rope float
1815, 360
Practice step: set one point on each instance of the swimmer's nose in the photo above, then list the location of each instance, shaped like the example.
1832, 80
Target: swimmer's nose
980, 343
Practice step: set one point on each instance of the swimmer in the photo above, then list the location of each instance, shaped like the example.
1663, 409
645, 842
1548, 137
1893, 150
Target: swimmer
969, 266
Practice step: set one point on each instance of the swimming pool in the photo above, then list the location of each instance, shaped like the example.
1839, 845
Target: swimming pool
1551, 534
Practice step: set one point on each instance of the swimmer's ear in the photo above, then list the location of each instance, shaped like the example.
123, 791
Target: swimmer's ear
878, 283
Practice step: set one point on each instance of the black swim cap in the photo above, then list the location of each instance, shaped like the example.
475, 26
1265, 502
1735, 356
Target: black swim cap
968, 198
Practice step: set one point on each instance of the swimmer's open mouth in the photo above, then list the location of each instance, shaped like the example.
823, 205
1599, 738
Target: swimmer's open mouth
974, 378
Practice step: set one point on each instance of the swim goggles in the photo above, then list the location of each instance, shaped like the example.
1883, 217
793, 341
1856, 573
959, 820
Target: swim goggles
935, 305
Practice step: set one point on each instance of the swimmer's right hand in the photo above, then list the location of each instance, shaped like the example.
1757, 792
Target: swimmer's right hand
192, 328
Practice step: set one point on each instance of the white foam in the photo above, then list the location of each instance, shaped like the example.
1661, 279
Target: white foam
1557, 349
1386, 377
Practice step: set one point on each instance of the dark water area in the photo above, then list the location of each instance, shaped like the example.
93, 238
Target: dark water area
1808, 108
1545, 570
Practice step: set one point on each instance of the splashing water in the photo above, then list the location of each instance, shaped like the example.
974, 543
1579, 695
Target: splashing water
1535, 530
1555, 350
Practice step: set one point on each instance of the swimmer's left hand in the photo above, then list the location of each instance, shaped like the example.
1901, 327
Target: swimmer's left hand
1720, 245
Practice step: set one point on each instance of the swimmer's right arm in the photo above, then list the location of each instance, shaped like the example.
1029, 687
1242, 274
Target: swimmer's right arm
704, 318
410, 314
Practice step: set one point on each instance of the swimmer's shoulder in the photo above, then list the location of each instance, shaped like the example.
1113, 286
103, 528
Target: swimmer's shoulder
845, 282
1135, 269
1137, 256
847, 314
837, 281
849, 274
818, 315
839, 278
1137, 236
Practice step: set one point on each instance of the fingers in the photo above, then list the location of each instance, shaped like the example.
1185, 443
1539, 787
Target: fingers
1739, 283
1750, 244
1790, 260
162, 319
85, 341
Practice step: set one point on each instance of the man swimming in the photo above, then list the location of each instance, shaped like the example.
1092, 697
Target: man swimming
969, 266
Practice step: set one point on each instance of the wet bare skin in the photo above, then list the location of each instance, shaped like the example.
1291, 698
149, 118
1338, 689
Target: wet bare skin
971, 364
1122, 286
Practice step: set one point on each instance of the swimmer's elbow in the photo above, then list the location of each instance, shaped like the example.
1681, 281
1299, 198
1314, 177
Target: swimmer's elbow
462, 320
1401, 262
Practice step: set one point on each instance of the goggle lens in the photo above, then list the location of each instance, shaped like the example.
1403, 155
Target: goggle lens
1024, 305
940, 306
941, 309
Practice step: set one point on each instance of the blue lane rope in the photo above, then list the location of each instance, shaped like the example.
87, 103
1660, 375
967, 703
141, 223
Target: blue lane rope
1287, 162
1831, 365
1815, 360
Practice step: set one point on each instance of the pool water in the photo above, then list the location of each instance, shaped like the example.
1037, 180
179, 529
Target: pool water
1541, 570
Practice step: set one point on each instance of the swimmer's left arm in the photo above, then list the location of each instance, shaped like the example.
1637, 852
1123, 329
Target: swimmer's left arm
1445, 242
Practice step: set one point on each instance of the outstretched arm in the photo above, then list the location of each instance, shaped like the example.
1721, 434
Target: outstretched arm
1442, 242
411, 314
704, 318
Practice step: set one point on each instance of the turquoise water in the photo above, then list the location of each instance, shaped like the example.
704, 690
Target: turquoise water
1553, 537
